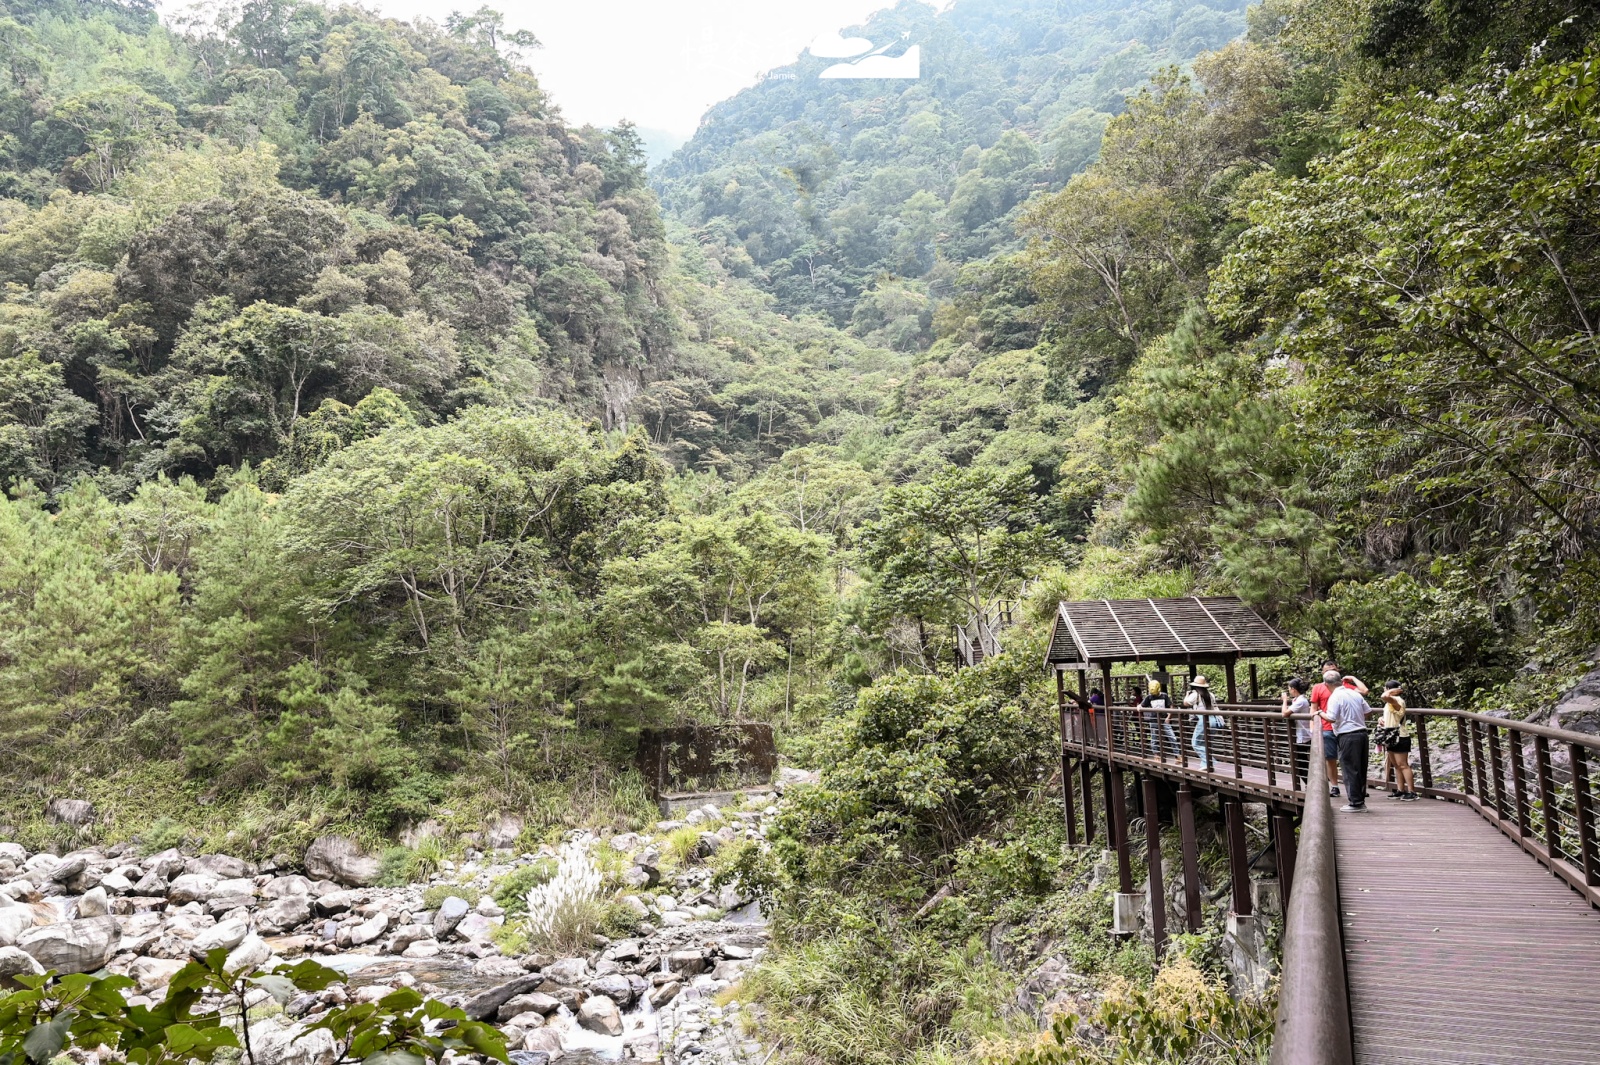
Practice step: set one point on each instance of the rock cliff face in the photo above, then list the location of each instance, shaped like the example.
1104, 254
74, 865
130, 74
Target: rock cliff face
1578, 708
645, 998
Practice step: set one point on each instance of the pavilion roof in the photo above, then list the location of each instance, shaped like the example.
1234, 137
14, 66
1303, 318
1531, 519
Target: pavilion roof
1190, 629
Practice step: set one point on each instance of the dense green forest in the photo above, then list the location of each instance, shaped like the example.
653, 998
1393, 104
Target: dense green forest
376, 446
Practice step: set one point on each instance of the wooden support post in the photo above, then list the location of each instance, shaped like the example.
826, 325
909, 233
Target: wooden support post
1233, 683
1255, 684
1286, 844
1086, 778
1067, 810
1117, 807
1238, 856
1190, 846
1152, 853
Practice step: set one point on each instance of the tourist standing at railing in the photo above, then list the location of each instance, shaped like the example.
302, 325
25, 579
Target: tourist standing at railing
1331, 681
1347, 712
1158, 721
1295, 702
1392, 739
1201, 699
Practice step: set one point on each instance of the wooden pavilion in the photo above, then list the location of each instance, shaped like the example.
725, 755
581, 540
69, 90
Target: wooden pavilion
1189, 632
1098, 634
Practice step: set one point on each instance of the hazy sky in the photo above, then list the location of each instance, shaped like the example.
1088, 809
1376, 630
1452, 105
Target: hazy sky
660, 63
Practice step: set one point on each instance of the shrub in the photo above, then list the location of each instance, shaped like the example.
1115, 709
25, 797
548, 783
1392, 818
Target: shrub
163, 834
1183, 1017
511, 890
564, 912
434, 895
617, 920
394, 867
678, 845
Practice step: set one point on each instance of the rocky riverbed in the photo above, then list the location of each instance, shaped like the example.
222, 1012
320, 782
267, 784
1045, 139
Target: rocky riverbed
653, 997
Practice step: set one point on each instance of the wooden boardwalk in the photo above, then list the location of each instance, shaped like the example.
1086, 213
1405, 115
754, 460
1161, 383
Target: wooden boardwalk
1459, 947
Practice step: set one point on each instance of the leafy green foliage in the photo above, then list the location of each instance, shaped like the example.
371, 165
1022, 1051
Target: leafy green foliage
1183, 1016
50, 1015
511, 891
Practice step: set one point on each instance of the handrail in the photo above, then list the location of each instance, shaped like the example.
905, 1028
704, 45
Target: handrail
1313, 1023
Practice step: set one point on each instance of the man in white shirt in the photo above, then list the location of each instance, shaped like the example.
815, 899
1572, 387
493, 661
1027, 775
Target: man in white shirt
1347, 713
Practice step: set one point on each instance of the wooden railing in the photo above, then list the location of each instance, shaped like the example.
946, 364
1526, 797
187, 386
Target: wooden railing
1532, 782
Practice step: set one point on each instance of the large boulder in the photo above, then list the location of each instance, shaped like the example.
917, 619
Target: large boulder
14, 921
13, 852
275, 1041
600, 1015
80, 946
251, 954
191, 887
485, 1004
14, 961
225, 934
166, 864
569, 972
341, 859
94, 903
151, 973
503, 831
284, 887
69, 811
221, 866
449, 914
280, 915
370, 930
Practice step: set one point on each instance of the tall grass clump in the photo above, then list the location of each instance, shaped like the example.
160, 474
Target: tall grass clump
565, 911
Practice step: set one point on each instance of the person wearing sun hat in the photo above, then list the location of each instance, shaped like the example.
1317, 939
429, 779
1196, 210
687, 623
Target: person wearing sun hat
1200, 698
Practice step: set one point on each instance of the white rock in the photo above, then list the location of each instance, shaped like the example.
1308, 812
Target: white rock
370, 929
600, 1015
251, 954
191, 887
151, 973
225, 935
94, 903
14, 961
14, 921
422, 948
73, 946
275, 1042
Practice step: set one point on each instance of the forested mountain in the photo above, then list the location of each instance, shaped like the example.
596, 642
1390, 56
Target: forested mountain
376, 447
862, 198
208, 236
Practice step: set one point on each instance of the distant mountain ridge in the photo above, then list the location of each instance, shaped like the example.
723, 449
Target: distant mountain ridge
819, 189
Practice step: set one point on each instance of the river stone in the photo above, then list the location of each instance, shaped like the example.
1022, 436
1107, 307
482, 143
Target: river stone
94, 903
543, 1040
241, 885
166, 864
451, 911
221, 866
406, 935
80, 946
422, 948
614, 987
600, 1015
485, 1004
569, 972
251, 954
503, 831
340, 859
476, 927
191, 887
337, 902
532, 1002
224, 935
14, 961
68, 868
14, 921
286, 887
13, 852
150, 886
220, 906
280, 915
69, 811
370, 929
116, 884
276, 1042
687, 962
151, 973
